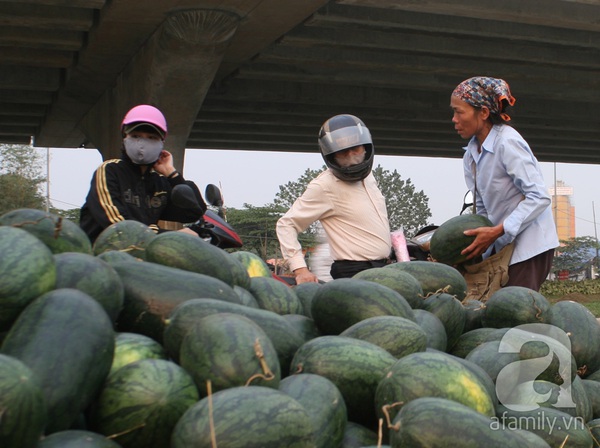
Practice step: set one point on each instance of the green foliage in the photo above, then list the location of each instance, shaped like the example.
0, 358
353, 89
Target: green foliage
291, 191
20, 178
407, 208
256, 227
575, 254
72, 214
562, 288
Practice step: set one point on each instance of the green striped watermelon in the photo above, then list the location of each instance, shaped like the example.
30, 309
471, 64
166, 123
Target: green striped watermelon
358, 436
435, 277
77, 438
23, 413
449, 240
128, 236
58, 233
354, 366
28, 271
450, 311
432, 374
141, 403
245, 417
402, 282
273, 295
470, 340
341, 303
515, 305
229, 350
93, 276
324, 404
306, 292
132, 347
434, 329
398, 335
437, 422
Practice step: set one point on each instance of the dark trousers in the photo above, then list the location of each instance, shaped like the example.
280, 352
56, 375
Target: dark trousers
531, 273
348, 268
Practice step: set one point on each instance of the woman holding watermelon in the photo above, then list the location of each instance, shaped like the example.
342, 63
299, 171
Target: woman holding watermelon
137, 186
505, 178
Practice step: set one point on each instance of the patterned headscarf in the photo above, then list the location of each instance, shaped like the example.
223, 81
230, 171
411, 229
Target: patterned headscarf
482, 91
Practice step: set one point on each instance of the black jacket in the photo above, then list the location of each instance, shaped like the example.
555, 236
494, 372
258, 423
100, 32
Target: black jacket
120, 191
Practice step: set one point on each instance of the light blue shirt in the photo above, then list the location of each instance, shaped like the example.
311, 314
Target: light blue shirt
511, 189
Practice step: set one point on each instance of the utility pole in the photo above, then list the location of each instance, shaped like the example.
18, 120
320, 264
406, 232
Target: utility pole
595, 235
47, 179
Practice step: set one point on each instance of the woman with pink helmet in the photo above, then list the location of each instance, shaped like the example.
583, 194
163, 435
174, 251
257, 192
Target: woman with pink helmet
138, 185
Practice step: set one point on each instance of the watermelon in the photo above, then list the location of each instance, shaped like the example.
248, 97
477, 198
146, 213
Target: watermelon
550, 424
435, 277
93, 276
273, 295
432, 374
398, 335
128, 236
303, 325
245, 417
456, 425
359, 436
515, 305
23, 412
77, 438
141, 403
67, 340
487, 355
473, 313
284, 337
306, 292
398, 280
472, 339
450, 311
132, 347
255, 266
190, 253
354, 366
341, 303
592, 389
28, 271
594, 429
324, 404
58, 233
229, 350
583, 329
246, 297
434, 329
153, 290
115, 256
449, 240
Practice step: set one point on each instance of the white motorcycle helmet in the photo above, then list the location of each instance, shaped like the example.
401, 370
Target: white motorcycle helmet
342, 132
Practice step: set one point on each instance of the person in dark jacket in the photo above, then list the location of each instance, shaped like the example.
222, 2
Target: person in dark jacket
138, 185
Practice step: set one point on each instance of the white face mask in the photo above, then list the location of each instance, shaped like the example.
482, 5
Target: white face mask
143, 151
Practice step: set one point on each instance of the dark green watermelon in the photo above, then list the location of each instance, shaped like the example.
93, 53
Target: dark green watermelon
273, 295
128, 236
449, 240
435, 277
58, 233
23, 413
450, 311
229, 350
93, 276
324, 404
434, 329
515, 305
28, 271
341, 303
402, 282
142, 402
132, 347
77, 438
245, 417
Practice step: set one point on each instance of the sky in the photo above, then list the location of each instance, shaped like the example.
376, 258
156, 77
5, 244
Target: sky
254, 177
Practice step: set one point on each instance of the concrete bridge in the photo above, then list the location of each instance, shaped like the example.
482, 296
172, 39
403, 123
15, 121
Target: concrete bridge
265, 74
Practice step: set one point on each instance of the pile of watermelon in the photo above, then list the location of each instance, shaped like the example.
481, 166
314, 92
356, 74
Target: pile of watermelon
161, 340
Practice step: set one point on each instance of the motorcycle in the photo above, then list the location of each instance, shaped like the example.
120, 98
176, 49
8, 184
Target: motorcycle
211, 227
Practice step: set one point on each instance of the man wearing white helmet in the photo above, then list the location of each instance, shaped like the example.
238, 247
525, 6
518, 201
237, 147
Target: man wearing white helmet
346, 200
138, 185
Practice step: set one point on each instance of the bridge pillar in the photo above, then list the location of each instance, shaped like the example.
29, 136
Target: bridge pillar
173, 71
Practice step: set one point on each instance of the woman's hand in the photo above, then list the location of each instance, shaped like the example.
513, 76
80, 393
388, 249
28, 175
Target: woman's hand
164, 164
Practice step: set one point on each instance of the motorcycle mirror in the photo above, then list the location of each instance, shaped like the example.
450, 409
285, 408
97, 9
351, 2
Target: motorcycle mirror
467, 202
183, 196
213, 195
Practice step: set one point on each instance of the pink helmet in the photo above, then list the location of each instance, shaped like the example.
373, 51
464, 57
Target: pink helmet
147, 115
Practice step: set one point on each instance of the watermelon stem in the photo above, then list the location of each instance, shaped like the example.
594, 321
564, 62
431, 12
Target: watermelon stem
211, 421
385, 409
127, 431
267, 373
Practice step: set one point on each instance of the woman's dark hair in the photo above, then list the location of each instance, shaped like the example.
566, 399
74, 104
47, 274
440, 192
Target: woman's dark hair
497, 118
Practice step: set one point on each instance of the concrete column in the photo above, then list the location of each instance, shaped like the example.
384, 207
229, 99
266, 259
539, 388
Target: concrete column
172, 71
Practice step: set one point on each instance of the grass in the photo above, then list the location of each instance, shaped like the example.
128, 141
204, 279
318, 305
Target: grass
590, 301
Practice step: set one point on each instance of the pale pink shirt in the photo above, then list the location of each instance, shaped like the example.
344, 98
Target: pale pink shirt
353, 215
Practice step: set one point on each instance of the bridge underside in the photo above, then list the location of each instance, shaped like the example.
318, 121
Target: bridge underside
265, 74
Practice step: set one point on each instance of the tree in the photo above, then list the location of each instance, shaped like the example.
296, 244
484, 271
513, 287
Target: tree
407, 208
576, 254
20, 178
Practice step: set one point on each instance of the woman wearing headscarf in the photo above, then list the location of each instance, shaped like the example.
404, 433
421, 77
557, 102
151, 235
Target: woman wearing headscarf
505, 178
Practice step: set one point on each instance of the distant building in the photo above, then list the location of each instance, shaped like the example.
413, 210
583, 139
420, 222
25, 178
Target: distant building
562, 210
